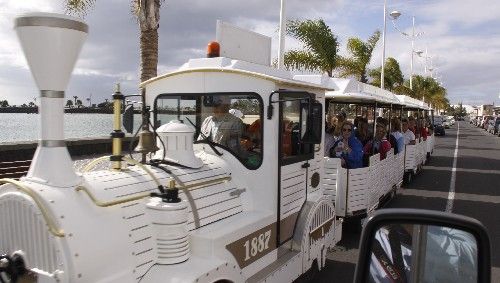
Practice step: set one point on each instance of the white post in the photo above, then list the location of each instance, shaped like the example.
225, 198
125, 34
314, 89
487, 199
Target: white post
382, 71
412, 50
281, 46
425, 67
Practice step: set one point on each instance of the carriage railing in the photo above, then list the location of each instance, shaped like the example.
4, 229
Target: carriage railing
357, 191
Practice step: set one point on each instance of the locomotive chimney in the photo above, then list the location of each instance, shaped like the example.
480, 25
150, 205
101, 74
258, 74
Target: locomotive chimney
51, 44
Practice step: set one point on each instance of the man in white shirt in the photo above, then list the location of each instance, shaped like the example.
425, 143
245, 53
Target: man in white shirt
222, 127
408, 135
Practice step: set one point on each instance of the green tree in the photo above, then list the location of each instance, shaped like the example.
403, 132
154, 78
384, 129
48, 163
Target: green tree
69, 103
393, 77
79, 103
4, 103
320, 47
430, 91
147, 13
360, 55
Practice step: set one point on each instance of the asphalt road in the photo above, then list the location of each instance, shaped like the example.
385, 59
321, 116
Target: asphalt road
477, 195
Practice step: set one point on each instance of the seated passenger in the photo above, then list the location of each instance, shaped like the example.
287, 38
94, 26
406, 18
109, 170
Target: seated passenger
408, 135
379, 144
423, 129
396, 137
222, 127
329, 138
362, 132
340, 118
348, 148
254, 133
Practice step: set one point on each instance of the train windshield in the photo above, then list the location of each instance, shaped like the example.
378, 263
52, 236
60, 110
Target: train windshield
232, 121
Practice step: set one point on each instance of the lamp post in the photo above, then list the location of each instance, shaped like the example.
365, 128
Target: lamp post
395, 15
282, 31
383, 46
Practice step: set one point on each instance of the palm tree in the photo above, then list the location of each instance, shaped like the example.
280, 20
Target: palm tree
428, 89
147, 13
393, 77
75, 97
320, 47
360, 56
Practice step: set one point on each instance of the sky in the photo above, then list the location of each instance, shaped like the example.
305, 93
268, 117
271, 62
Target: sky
462, 38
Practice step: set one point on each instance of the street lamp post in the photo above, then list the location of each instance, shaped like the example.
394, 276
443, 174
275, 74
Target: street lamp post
395, 15
282, 31
382, 85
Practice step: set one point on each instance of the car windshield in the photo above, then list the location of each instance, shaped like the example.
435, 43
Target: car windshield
232, 121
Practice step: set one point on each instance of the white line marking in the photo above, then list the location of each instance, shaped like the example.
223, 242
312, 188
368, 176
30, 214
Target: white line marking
451, 194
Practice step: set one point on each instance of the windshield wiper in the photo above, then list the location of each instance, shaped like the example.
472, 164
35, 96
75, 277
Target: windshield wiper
205, 139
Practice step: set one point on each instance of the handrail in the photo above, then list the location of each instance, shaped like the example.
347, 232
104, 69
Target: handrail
143, 195
53, 229
93, 163
110, 203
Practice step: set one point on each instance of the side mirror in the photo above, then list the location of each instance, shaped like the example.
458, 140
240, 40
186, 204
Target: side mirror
312, 126
128, 118
412, 245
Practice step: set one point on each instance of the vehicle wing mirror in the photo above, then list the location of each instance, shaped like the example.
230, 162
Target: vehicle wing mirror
312, 126
128, 118
412, 245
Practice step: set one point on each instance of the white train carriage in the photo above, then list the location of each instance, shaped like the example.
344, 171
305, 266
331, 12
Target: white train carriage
359, 191
415, 155
247, 211
428, 114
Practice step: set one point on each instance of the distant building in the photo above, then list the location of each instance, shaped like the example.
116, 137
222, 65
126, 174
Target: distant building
486, 109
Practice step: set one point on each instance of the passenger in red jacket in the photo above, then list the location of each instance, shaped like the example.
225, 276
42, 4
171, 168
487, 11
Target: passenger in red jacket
379, 143
423, 129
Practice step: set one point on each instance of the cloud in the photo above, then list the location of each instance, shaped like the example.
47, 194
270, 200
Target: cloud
459, 34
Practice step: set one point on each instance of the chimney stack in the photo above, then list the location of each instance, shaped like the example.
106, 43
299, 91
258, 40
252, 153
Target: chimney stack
51, 44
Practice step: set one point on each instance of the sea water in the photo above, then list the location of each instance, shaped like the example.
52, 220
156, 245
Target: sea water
15, 127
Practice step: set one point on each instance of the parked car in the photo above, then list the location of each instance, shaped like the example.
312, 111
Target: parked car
451, 119
446, 123
484, 123
438, 126
472, 119
493, 125
479, 121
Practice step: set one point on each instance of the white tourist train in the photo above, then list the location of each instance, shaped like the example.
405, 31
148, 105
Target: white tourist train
259, 203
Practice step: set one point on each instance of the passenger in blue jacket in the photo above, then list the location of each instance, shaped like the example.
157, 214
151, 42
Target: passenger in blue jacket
348, 148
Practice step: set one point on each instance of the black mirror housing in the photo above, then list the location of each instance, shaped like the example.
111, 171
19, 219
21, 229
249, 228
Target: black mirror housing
370, 241
314, 118
128, 118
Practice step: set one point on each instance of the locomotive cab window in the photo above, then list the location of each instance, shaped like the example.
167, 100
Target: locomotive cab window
295, 128
231, 121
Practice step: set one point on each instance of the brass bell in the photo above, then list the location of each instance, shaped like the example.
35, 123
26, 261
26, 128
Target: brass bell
147, 142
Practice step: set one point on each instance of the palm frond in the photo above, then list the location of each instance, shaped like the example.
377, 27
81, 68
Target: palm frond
302, 60
317, 38
78, 8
